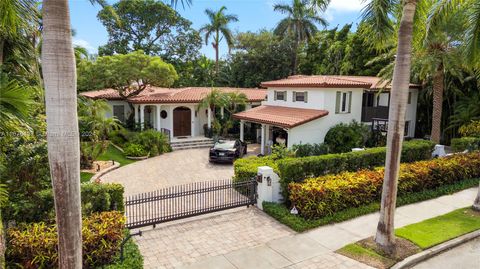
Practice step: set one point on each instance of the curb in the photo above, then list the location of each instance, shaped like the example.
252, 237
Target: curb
427, 254
104, 171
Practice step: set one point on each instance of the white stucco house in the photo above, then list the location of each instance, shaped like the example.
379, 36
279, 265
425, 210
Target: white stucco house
301, 109
172, 111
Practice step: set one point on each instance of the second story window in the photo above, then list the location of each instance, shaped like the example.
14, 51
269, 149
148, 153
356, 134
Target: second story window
280, 95
300, 97
343, 102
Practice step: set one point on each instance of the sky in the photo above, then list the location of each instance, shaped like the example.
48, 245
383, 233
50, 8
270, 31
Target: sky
253, 15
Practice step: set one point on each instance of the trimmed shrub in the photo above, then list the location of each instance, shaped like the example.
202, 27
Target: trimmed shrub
463, 143
304, 150
246, 168
135, 150
120, 137
152, 141
96, 197
322, 196
34, 245
470, 129
343, 137
298, 169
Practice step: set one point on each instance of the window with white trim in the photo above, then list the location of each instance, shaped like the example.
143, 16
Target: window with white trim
280, 95
343, 102
300, 97
119, 112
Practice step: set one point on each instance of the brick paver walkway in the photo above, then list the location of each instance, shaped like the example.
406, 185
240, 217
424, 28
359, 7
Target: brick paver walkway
174, 168
188, 242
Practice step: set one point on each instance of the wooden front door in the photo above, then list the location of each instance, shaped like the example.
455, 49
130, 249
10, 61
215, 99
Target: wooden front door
182, 121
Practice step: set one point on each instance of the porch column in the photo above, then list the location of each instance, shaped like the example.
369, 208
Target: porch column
262, 140
194, 120
135, 113
222, 111
158, 109
242, 125
267, 137
142, 116
209, 118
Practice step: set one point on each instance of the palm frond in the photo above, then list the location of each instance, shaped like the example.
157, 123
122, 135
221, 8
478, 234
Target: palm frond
377, 14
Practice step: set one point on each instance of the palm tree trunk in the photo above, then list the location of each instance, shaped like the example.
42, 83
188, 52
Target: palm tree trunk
217, 41
58, 63
295, 57
476, 203
385, 236
438, 86
2, 44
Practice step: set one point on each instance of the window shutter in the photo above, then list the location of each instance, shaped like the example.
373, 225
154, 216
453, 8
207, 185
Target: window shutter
349, 102
294, 96
285, 96
274, 95
305, 97
337, 103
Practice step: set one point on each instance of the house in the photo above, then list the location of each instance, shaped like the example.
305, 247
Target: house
172, 111
301, 109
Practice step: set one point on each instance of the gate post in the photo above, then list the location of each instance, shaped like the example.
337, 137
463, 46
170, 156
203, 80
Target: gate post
268, 186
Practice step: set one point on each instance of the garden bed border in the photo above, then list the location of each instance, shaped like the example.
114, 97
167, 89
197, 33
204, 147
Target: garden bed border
97, 175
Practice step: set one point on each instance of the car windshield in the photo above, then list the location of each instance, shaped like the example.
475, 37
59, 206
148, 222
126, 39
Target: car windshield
224, 145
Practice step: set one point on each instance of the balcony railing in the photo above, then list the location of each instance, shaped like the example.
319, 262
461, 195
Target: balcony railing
370, 113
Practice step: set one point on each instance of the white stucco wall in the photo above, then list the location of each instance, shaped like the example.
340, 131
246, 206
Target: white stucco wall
109, 114
411, 113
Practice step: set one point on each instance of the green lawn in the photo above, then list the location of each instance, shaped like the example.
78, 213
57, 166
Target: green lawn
85, 176
112, 153
434, 231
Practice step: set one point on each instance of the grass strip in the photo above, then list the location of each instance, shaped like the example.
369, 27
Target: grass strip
85, 176
299, 224
112, 153
434, 231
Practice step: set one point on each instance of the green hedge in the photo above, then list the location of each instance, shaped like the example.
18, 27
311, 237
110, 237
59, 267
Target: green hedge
323, 196
246, 168
34, 245
298, 169
96, 197
281, 213
463, 143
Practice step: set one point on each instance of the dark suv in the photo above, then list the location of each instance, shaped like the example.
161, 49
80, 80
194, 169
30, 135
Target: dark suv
227, 150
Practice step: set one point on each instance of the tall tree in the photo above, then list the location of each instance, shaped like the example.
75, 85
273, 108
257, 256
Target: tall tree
300, 24
58, 66
219, 24
378, 13
148, 25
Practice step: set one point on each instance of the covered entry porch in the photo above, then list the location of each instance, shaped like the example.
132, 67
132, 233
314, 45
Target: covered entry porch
176, 120
277, 123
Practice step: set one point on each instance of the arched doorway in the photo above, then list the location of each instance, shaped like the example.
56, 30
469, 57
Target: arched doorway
182, 121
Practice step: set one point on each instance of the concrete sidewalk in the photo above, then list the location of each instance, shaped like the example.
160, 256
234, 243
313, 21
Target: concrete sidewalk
315, 248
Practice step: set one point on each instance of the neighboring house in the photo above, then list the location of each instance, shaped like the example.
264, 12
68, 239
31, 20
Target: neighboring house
172, 111
301, 109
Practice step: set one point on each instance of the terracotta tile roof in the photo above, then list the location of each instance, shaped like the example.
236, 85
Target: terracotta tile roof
286, 117
172, 95
331, 81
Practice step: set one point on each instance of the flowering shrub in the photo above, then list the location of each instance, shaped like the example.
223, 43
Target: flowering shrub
321, 196
34, 245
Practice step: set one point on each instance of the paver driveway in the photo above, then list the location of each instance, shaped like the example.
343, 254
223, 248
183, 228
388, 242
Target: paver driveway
174, 168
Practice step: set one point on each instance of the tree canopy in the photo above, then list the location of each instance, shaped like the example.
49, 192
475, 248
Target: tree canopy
148, 25
128, 73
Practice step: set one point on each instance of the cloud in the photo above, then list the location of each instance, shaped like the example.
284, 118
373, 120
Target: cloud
84, 44
346, 5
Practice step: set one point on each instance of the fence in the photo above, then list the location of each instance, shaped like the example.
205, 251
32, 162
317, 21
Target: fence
182, 201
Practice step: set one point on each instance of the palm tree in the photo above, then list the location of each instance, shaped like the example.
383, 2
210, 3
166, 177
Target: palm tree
437, 51
300, 24
218, 25
378, 13
235, 99
58, 67
215, 98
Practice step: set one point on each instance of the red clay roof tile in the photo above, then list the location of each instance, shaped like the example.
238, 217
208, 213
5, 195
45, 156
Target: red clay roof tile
286, 117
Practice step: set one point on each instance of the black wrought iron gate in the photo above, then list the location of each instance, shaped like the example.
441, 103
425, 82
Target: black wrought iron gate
188, 200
